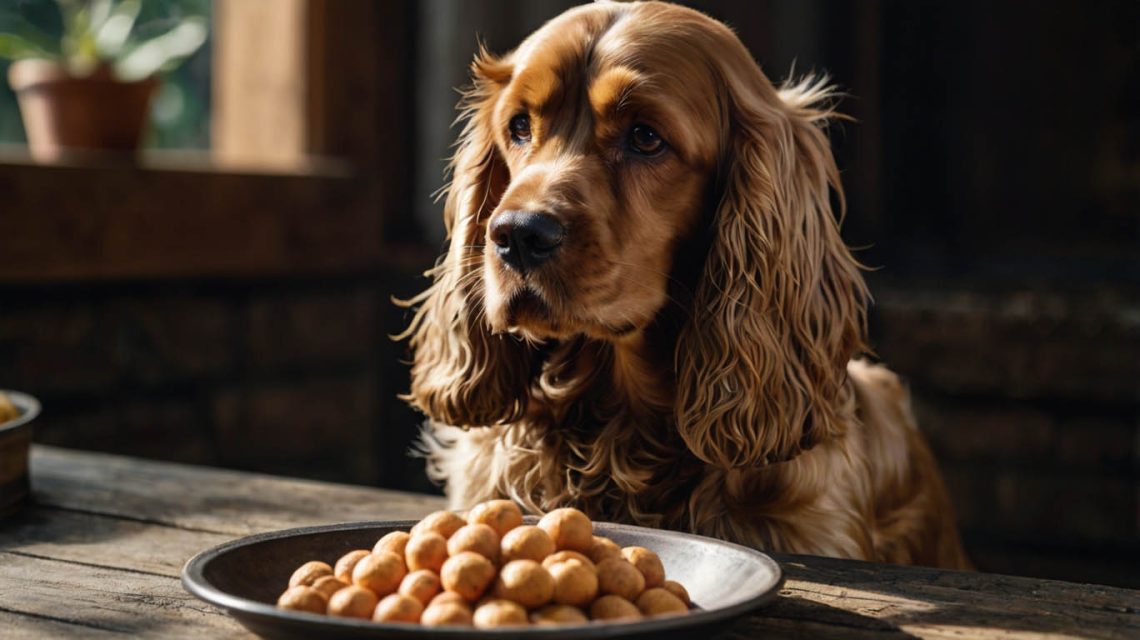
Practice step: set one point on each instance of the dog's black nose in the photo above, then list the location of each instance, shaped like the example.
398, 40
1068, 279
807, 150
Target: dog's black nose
525, 240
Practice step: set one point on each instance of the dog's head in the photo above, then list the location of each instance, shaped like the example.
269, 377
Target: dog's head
592, 154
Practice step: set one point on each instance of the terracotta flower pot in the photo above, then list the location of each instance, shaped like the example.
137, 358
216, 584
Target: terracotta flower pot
63, 113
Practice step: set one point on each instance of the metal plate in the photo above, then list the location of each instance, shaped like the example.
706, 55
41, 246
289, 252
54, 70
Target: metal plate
245, 576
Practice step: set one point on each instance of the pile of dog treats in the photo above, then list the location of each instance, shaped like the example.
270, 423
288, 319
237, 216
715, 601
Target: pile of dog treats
488, 570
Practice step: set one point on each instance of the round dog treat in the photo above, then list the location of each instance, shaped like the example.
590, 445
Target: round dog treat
426, 550
677, 589
422, 584
447, 614
347, 562
574, 583
302, 598
558, 614
478, 537
613, 608
468, 574
501, 515
659, 602
569, 529
308, 573
449, 596
499, 613
379, 572
563, 556
328, 585
620, 578
648, 563
398, 608
603, 548
395, 542
444, 523
527, 542
524, 582
353, 602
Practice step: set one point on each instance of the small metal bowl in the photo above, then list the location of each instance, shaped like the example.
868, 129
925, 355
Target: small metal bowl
15, 439
245, 576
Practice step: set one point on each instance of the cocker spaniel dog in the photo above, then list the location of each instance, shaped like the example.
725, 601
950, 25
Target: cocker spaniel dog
646, 310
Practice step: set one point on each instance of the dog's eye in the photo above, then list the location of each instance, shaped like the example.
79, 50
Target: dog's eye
645, 141
520, 128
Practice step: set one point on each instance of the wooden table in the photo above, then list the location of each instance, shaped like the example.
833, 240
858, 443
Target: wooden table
99, 553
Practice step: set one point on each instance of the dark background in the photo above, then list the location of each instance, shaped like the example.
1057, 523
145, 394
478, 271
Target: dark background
993, 177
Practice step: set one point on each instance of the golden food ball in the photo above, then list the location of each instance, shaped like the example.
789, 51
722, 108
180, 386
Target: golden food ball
602, 549
447, 614
344, 566
500, 515
468, 574
525, 582
677, 589
574, 583
308, 573
328, 585
499, 613
563, 556
426, 550
8, 411
648, 563
478, 537
659, 602
395, 542
303, 598
444, 523
613, 608
620, 578
421, 584
353, 602
558, 614
527, 542
379, 572
569, 529
398, 608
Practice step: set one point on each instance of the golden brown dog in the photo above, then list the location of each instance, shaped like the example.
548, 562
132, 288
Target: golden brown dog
646, 310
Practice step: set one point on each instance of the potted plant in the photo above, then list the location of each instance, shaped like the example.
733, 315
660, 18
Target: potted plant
91, 88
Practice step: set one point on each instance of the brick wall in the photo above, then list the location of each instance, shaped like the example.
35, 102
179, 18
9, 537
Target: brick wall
292, 377
1031, 401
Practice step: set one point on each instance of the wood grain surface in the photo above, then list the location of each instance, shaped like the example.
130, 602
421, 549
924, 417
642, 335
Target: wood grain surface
99, 551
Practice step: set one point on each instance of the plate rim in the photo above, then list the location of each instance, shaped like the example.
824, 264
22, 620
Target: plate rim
28, 405
194, 581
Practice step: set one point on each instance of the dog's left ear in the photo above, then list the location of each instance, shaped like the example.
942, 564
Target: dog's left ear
781, 305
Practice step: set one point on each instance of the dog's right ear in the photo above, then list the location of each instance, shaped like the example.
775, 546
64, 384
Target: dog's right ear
464, 375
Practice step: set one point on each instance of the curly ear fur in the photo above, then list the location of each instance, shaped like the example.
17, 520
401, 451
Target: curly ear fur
781, 305
463, 375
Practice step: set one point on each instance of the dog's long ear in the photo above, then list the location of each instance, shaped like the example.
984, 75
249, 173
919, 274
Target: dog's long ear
781, 305
463, 375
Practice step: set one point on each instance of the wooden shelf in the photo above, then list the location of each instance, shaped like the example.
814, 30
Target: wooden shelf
177, 217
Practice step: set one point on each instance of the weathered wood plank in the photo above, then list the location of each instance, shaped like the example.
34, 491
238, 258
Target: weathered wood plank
935, 603
103, 541
19, 626
108, 600
205, 499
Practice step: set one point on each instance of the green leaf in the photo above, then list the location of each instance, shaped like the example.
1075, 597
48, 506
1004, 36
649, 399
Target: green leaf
113, 34
163, 52
16, 47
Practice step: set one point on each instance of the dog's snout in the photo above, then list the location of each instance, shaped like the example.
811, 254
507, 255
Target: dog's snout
524, 240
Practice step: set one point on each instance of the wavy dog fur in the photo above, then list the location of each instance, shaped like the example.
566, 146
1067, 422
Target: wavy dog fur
693, 362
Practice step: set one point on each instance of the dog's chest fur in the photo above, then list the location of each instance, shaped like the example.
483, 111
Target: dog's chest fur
599, 435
